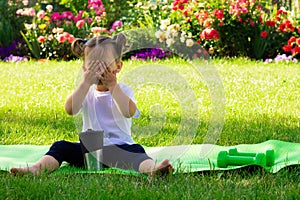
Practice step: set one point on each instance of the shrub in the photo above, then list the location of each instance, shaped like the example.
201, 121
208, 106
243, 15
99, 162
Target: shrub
228, 28
9, 24
48, 34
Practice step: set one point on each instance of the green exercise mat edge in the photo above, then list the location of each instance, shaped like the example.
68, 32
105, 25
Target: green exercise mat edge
184, 158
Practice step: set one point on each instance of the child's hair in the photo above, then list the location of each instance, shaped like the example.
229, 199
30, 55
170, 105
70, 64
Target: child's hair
99, 47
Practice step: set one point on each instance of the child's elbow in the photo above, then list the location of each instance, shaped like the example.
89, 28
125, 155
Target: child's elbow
68, 109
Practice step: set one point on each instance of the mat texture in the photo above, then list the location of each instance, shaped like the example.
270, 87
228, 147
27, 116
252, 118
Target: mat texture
185, 158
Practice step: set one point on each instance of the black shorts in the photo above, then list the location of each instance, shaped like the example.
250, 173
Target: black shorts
121, 156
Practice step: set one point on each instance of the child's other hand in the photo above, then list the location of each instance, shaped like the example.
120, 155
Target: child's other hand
108, 78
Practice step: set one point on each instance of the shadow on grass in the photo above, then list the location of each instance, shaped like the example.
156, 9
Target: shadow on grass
53, 125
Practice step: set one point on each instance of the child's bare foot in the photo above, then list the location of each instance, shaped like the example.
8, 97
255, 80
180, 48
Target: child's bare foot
163, 168
23, 170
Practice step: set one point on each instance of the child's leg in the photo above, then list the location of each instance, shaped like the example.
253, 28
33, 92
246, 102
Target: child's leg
134, 157
45, 164
59, 151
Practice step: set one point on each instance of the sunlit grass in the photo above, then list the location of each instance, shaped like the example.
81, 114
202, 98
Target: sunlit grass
261, 103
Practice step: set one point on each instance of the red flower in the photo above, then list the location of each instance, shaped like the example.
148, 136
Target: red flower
287, 48
264, 34
218, 14
279, 12
298, 29
270, 23
41, 39
295, 51
298, 41
292, 40
80, 23
61, 38
209, 34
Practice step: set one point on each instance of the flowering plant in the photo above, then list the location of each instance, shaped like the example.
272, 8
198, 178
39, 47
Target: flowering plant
49, 34
228, 28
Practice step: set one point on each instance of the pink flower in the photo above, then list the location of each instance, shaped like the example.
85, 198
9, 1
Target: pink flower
41, 14
61, 38
264, 34
116, 24
31, 12
80, 24
19, 11
71, 38
41, 39
55, 16
97, 30
67, 15
98, 19
25, 2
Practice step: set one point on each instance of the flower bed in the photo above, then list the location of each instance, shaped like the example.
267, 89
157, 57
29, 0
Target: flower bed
228, 28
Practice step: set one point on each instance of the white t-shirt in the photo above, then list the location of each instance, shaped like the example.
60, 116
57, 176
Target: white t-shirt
101, 113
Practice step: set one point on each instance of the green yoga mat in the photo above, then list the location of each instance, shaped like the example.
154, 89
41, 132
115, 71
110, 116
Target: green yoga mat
185, 158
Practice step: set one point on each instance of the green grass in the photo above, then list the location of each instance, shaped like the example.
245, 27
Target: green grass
261, 103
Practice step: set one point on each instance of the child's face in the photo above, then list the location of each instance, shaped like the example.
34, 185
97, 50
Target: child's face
108, 58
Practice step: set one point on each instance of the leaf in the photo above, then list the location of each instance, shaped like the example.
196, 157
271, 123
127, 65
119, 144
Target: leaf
33, 47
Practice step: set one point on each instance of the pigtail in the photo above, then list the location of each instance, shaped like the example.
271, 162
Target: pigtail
121, 43
77, 47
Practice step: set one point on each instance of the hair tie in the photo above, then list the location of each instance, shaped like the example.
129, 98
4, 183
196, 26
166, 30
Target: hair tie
84, 41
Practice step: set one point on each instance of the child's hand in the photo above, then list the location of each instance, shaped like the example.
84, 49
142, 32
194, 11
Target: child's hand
108, 78
92, 72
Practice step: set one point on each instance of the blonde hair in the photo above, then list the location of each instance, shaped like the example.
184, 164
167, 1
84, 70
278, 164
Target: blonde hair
99, 47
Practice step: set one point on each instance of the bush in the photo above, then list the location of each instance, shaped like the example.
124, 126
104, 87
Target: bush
9, 28
48, 34
229, 28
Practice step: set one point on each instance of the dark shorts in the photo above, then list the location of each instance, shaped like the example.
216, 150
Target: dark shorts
121, 156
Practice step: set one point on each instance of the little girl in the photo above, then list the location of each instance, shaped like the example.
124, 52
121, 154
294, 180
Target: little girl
106, 105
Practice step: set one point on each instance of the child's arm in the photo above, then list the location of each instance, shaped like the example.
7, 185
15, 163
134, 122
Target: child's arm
125, 104
75, 100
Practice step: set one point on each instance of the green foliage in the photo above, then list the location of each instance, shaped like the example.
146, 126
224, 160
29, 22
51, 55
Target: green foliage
231, 28
9, 23
73, 5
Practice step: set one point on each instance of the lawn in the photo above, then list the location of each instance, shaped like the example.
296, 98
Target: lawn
261, 102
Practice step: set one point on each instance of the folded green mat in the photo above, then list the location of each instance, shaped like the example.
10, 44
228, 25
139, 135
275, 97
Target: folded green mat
185, 158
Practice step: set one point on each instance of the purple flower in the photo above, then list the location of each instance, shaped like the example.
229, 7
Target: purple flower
151, 54
268, 60
13, 58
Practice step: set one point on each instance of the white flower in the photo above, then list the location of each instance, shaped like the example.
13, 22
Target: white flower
169, 42
189, 42
182, 39
160, 35
166, 22
49, 8
28, 26
163, 27
139, 4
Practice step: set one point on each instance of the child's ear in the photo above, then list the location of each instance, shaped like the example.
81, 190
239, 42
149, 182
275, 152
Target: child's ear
119, 66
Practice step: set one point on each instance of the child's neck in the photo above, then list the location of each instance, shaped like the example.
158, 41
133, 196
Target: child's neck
101, 88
